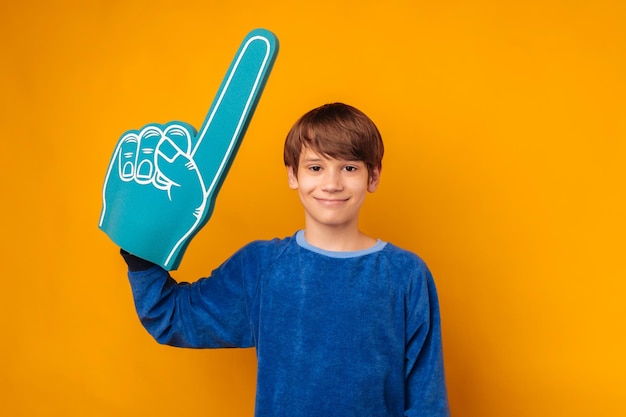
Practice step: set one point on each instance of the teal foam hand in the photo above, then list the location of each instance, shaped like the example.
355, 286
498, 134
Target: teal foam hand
162, 181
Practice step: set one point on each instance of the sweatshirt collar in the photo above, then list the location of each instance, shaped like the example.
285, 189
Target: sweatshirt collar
302, 242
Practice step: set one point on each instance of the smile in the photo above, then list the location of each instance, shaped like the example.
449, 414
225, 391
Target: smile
331, 201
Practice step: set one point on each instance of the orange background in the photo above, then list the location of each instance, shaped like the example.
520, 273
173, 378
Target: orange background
505, 129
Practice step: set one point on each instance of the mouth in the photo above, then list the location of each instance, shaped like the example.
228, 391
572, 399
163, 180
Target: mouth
331, 201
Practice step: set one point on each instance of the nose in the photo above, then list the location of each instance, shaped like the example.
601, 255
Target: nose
332, 181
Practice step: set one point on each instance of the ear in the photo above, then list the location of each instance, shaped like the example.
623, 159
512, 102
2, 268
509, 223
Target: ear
373, 180
292, 179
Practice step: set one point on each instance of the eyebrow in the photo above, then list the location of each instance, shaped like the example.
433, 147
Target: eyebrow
318, 160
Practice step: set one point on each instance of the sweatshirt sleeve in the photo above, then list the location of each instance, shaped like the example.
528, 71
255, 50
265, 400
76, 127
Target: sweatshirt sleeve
426, 393
209, 313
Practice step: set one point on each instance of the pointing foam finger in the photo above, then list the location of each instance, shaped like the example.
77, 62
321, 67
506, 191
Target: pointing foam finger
232, 109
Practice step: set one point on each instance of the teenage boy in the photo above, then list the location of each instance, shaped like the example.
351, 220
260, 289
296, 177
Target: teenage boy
343, 324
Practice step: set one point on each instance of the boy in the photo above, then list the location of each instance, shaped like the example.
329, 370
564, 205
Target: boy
343, 324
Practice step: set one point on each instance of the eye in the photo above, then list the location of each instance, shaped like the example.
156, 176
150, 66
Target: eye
315, 168
350, 168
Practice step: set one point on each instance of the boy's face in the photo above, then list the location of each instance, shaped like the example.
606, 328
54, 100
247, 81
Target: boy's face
331, 190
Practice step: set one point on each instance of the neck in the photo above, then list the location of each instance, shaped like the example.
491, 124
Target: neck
338, 239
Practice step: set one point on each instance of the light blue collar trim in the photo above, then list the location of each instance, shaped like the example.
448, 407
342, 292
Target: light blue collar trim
336, 254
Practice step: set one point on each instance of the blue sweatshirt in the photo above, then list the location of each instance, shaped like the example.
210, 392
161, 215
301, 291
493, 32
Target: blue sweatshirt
336, 333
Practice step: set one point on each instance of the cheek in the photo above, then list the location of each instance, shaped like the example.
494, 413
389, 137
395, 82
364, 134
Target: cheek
360, 185
305, 182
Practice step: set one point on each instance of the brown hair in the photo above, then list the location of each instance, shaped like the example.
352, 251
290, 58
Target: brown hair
338, 131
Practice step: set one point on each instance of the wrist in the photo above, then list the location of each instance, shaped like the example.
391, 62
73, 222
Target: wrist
135, 263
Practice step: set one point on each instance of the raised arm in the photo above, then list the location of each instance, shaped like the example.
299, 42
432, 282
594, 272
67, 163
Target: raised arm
210, 313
